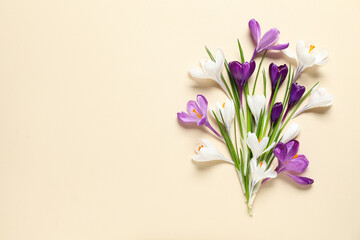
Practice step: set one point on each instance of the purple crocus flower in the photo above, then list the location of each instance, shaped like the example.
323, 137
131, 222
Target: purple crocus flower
241, 72
296, 93
290, 163
267, 41
276, 112
197, 113
275, 72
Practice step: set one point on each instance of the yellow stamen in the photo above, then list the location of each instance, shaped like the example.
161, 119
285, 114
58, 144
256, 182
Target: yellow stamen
311, 48
261, 163
223, 105
200, 147
260, 139
292, 158
198, 115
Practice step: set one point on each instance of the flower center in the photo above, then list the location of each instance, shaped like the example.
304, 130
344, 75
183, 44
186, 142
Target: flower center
223, 105
200, 147
198, 115
311, 48
259, 139
292, 158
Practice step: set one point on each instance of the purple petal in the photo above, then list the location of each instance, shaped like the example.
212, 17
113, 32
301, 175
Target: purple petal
279, 46
255, 30
202, 121
296, 93
292, 148
191, 106
276, 112
301, 180
187, 118
298, 164
252, 68
280, 151
273, 72
269, 38
203, 103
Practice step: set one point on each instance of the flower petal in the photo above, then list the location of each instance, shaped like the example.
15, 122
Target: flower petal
203, 103
280, 151
301, 180
291, 132
187, 118
191, 106
298, 164
197, 73
279, 46
269, 38
255, 30
292, 149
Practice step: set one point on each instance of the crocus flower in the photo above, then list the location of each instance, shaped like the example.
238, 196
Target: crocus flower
206, 152
259, 172
275, 72
290, 162
291, 132
258, 146
267, 41
227, 110
319, 98
211, 70
296, 93
241, 72
197, 113
276, 112
307, 55
256, 104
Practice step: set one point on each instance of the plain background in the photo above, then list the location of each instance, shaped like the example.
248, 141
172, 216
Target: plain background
90, 147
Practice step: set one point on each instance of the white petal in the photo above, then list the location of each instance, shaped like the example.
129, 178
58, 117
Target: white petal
321, 55
253, 143
256, 104
291, 132
269, 148
288, 52
197, 73
206, 152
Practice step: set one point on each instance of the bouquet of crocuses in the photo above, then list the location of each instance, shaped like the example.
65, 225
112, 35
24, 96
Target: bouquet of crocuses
261, 143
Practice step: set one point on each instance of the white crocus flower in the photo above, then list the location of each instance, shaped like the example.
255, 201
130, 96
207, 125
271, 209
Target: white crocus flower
259, 172
256, 104
210, 69
319, 98
207, 152
258, 146
291, 132
227, 110
307, 55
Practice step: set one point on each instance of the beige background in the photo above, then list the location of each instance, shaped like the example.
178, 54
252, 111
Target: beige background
90, 147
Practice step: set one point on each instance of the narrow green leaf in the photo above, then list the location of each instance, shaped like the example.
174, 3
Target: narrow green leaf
257, 74
241, 52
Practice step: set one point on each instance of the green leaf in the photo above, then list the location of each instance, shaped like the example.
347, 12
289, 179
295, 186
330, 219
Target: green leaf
264, 81
241, 52
257, 74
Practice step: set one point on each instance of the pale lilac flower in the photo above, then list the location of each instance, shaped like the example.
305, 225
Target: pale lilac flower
197, 113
